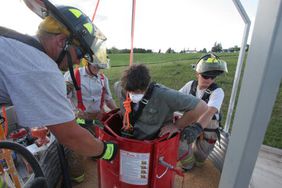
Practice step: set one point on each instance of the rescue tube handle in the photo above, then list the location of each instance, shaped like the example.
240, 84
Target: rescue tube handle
168, 167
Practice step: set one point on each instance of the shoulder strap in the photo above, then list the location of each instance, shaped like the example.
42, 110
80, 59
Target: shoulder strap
206, 96
9, 33
102, 76
135, 115
80, 104
194, 87
208, 92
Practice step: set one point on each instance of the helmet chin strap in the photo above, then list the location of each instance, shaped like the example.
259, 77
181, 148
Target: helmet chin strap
90, 71
64, 52
70, 65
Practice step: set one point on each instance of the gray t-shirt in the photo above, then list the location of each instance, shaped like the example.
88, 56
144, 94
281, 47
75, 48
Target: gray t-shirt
159, 111
32, 82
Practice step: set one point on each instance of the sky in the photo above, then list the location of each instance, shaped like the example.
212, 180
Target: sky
159, 24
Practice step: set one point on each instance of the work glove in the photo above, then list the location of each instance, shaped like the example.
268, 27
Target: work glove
110, 151
191, 133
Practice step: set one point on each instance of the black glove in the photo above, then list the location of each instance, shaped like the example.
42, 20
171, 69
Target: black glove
109, 152
191, 133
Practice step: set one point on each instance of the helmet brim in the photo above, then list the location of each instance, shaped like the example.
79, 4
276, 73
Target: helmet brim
38, 7
212, 73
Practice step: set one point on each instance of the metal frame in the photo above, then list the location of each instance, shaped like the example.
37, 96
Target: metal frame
240, 61
259, 89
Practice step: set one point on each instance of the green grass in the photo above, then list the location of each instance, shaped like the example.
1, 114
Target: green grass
174, 70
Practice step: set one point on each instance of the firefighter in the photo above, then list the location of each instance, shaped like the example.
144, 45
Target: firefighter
88, 103
32, 81
207, 69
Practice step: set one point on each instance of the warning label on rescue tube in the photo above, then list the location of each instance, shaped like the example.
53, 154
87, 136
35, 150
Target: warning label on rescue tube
134, 167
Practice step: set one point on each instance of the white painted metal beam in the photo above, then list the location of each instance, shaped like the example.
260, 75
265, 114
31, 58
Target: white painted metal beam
260, 85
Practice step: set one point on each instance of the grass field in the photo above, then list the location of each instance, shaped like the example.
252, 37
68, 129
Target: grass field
174, 70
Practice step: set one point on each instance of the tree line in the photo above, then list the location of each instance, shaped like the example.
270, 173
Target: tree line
217, 47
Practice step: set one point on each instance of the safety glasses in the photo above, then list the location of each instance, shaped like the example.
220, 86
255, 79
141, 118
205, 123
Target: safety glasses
208, 77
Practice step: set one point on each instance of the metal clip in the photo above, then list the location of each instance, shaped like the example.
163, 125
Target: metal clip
144, 101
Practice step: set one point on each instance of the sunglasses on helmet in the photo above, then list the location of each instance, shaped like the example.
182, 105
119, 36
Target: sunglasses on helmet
208, 77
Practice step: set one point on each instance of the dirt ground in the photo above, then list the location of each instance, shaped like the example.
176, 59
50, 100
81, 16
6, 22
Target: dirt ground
205, 177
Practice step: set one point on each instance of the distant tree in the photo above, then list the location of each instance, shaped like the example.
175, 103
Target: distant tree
160, 51
217, 47
236, 48
203, 50
113, 50
169, 51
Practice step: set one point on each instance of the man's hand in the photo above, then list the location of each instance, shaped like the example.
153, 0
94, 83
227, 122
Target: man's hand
168, 129
81, 114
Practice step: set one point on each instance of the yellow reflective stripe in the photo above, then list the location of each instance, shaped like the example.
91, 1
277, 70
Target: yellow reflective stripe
80, 121
211, 60
77, 13
89, 27
109, 152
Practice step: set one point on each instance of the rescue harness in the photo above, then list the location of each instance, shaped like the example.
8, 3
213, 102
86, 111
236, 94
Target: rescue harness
133, 115
206, 98
80, 104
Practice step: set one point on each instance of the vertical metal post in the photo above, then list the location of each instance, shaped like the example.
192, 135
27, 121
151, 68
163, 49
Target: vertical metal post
240, 61
260, 85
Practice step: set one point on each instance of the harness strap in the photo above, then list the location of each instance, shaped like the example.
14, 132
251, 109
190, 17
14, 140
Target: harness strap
80, 104
134, 115
206, 96
193, 89
207, 93
9, 33
103, 90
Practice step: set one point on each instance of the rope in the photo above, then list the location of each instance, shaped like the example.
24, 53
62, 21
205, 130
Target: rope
94, 14
127, 107
126, 103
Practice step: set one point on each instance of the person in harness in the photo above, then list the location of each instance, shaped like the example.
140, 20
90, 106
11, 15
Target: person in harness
89, 101
152, 107
207, 69
32, 81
